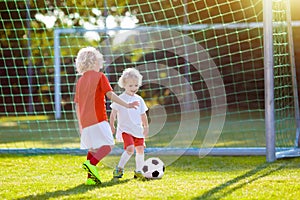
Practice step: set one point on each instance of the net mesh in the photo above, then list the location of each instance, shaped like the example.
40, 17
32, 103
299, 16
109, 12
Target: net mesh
202, 63
283, 78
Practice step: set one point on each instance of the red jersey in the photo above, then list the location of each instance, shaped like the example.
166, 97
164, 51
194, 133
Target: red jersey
90, 97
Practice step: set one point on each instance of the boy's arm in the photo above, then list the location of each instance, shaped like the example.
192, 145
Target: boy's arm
112, 96
78, 117
145, 124
112, 119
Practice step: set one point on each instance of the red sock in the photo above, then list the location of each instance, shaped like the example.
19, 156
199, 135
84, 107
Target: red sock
89, 155
99, 154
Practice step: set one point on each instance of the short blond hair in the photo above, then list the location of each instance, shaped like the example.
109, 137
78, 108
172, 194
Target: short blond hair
130, 73
88, 58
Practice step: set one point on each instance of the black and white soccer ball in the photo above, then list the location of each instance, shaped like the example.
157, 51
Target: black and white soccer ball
153, 168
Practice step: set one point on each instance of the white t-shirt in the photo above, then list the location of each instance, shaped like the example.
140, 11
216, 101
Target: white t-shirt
129, 119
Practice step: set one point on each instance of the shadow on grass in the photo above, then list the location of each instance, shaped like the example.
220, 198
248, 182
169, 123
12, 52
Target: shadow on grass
232, 185
79, 189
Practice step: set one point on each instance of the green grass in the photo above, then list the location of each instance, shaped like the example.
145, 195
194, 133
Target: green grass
61, 177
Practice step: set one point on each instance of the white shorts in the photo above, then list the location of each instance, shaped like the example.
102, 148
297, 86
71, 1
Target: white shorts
95, 136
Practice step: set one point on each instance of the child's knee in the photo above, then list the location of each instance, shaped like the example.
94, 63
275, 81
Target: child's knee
140, 149
130, 149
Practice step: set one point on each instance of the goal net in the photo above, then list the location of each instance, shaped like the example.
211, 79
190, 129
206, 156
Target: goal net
202, 64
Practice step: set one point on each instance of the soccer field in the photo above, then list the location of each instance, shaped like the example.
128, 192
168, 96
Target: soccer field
61, 177
221, 77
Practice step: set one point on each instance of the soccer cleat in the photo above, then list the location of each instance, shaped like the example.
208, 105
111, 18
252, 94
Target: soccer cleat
118, 172
92, 170
90, 181
139, 175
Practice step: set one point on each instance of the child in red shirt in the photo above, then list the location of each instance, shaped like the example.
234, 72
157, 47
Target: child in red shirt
91, 89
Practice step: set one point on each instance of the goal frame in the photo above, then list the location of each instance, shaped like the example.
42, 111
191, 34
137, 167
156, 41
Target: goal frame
270, 150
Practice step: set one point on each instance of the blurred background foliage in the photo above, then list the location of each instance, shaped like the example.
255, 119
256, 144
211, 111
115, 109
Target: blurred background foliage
27, 34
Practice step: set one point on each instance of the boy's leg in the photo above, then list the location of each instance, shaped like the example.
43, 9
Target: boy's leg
139, 158
88, 157
119, 171
93, 159
99, 154
129, 149
126, 155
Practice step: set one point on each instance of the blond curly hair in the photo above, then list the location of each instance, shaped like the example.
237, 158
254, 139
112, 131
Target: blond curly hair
130, 73
88, 58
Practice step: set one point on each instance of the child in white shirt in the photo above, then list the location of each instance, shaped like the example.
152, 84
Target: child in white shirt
132, 124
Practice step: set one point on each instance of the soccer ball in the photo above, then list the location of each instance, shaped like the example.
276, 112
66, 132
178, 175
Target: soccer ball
153, 168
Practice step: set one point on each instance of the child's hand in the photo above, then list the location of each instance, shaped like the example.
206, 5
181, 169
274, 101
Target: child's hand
134, 104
